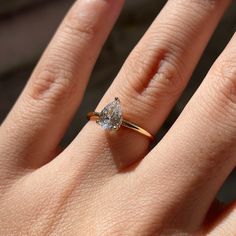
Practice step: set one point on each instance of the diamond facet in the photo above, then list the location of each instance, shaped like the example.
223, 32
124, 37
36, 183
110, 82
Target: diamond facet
111, 116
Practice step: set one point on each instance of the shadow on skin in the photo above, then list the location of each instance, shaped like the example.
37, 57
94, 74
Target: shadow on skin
128, 148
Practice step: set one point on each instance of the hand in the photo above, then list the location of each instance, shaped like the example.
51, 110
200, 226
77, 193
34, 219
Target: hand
109, 183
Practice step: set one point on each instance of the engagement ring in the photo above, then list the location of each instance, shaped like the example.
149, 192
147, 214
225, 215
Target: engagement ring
110, 118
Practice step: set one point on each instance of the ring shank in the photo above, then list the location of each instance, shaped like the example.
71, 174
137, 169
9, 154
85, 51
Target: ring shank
125, 123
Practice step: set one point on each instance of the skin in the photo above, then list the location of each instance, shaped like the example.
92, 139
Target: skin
110, 183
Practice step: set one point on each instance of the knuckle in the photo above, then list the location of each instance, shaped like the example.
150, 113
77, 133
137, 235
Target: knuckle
51, 83
226, 72
146, 84
135, 71
169, 77
161, 76
221, 89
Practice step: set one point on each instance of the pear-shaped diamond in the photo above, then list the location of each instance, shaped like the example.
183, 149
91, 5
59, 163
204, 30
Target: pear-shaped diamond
111, 116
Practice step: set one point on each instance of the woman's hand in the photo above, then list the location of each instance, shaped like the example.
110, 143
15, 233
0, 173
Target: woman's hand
109, 183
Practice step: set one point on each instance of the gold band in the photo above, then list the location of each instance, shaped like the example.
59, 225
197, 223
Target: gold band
125, 123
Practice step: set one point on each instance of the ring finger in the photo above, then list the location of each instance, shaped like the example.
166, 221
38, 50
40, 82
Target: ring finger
153, 78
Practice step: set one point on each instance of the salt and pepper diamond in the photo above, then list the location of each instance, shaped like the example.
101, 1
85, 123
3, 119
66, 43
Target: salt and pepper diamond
110, 117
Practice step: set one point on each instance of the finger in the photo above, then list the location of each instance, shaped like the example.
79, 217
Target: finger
154, 75
41, 115
224, 223
198, 153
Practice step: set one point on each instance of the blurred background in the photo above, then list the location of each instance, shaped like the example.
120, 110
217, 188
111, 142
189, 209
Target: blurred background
26, 26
